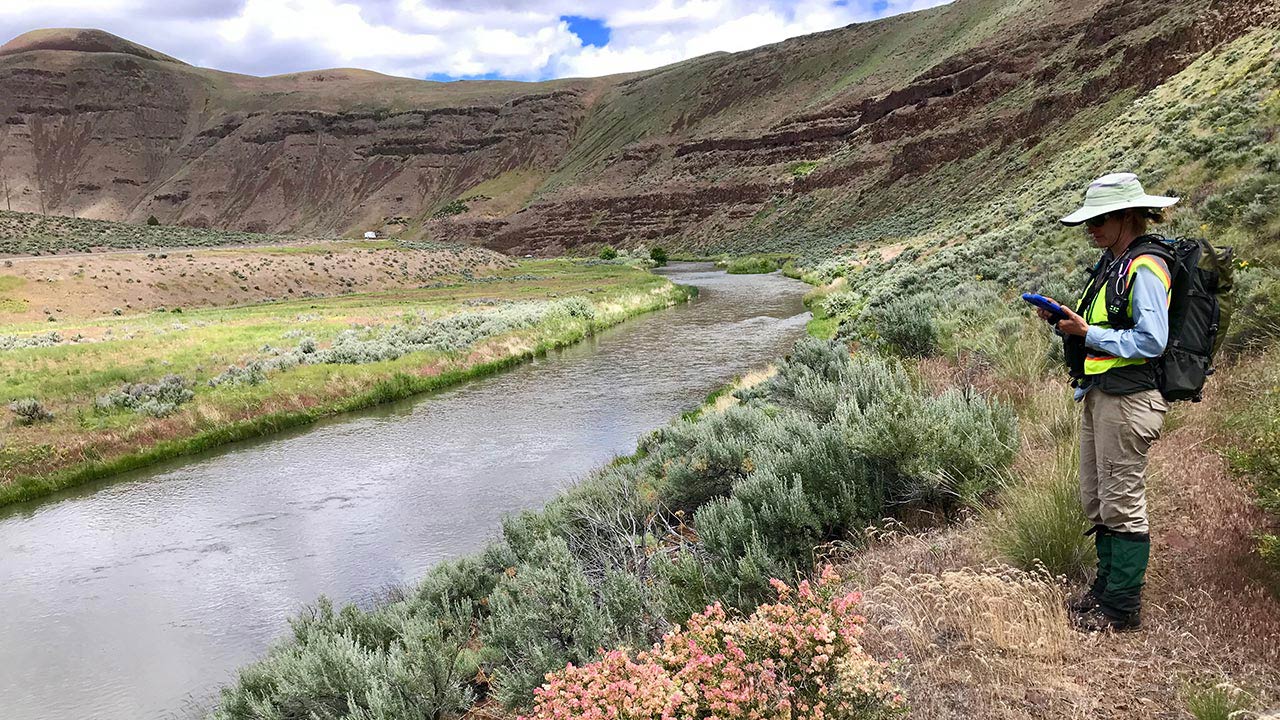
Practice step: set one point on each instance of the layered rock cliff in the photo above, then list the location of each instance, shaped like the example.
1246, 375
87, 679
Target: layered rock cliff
828, 135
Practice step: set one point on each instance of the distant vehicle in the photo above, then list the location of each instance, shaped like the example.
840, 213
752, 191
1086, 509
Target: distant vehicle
528, 256
371, 235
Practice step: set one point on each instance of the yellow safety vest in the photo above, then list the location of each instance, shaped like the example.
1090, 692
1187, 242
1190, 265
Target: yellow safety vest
1095, 362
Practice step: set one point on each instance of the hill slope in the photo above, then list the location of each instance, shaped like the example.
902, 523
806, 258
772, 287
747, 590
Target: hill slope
783, 146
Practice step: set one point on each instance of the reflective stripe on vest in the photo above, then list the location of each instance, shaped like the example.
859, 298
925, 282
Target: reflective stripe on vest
1096, 363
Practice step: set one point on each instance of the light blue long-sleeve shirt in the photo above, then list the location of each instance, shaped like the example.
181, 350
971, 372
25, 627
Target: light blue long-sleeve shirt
1150, 331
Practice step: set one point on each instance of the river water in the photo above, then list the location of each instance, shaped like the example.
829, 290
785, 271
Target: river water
139, 597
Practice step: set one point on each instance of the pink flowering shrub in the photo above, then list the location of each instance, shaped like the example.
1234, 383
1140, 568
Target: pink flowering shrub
797, 658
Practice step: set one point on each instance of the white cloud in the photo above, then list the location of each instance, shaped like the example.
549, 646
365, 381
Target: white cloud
666, 12
520, 39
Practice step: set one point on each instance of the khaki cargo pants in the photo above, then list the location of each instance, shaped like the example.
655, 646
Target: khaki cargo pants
1115, 433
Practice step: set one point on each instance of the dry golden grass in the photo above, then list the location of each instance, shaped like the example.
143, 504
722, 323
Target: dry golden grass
751, 379
996, 634
983, 641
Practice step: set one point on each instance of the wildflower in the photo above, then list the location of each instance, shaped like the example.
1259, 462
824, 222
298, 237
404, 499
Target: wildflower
796, 659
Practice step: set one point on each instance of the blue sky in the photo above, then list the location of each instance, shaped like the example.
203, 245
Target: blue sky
591, 31
447, 39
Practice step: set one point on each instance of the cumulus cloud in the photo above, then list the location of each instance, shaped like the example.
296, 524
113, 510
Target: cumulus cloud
518, 39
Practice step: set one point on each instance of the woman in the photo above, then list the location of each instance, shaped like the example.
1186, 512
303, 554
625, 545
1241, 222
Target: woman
1120, 325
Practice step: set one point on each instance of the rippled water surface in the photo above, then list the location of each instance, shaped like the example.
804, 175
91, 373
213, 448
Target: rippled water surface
139, 597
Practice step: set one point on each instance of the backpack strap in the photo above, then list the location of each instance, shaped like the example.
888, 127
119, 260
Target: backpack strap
1073, 348
1119, 289
1095, 285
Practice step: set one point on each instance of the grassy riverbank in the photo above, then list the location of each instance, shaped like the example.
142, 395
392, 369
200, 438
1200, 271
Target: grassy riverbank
106, 394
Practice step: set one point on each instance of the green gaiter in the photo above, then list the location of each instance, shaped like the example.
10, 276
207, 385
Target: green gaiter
1129, 555
1102, 542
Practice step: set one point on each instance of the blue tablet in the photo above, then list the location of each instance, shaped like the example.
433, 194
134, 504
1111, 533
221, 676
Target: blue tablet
1045, 303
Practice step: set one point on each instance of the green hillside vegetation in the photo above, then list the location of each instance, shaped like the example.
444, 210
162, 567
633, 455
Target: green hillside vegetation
1203, 136
721, 93
953, 201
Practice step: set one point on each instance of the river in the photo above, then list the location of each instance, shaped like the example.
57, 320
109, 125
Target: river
138, 597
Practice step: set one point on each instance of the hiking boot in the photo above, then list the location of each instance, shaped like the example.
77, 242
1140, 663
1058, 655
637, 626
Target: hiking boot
1084, 602
1098, 621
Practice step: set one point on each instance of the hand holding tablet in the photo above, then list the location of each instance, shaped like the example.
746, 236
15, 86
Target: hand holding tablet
1054, 309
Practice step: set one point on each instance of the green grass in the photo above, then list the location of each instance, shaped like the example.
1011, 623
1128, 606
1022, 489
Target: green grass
1252, 417
9, 283
84, 442
1039, 523
1218, 702
802, 168
755, 264
822, 325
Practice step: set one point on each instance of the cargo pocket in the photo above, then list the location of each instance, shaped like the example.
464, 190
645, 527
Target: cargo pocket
1158, 403
1144, 416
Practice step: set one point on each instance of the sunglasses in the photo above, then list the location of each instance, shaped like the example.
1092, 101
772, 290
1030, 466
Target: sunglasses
1098, 220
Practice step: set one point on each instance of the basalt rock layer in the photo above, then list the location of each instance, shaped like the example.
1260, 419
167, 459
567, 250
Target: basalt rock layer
865, 126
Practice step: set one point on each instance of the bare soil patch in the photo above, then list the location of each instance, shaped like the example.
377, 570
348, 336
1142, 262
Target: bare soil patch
89, 285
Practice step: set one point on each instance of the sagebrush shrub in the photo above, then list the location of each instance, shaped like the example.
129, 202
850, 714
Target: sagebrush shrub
905, 326
970, 440
704, 459
380, 665
829, 269
1257, 315
251, 373
543, 615
819, 451
452, 333
21, 342
158, 399
767, 527
465, 581
28, 411
842, 304
708, 510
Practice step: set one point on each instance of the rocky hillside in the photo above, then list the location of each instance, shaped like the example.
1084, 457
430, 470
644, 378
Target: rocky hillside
820, 140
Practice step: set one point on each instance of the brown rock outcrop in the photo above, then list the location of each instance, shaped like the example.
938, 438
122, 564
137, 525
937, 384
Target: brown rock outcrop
691, 154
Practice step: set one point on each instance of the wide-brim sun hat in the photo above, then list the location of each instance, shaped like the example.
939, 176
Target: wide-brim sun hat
1117, 191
